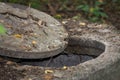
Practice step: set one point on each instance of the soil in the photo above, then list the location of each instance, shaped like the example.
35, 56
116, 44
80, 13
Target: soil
7, 72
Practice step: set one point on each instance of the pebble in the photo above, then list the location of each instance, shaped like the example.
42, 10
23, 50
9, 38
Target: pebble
64, 22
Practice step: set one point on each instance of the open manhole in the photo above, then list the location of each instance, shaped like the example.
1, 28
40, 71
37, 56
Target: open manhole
74, 54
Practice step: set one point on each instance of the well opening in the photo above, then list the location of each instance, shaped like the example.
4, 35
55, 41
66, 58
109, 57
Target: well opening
73, 55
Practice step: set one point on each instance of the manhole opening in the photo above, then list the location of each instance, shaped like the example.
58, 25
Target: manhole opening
72, 56
63, 59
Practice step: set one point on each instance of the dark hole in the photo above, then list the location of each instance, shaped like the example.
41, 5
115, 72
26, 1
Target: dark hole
60, 60
63, 59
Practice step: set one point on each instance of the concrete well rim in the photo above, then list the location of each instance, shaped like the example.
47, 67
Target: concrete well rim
107, 58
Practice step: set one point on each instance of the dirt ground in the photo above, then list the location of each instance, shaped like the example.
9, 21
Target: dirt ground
7, 72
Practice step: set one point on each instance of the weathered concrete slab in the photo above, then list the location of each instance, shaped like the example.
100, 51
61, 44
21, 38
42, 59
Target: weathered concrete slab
104, 67
31, 34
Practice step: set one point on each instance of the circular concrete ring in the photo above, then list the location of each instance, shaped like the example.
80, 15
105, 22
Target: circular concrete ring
85, 46
105, 67
57, 38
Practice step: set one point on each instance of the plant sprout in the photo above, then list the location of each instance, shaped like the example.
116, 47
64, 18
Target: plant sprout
2, 29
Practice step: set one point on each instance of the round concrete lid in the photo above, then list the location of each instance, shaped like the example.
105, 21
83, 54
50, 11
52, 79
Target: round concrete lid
31, 34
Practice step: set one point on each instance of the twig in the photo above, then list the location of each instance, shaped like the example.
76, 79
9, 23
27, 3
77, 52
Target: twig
49, 61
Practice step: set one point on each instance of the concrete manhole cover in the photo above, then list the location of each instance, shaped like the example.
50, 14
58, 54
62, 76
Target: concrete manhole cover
30, 33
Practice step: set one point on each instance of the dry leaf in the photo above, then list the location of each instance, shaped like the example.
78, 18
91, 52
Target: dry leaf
33, 34
64, 22
82, 23
18, 35
40, 22
65, 67
48, 71
34, 42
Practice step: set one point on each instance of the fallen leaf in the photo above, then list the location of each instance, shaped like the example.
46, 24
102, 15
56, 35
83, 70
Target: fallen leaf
18, 35
82, 23
65, 67
33, 34
40, 22
34, 42
58, 16
64, 22
48, 71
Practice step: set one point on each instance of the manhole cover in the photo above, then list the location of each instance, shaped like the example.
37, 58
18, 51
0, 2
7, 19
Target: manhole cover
30, 33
